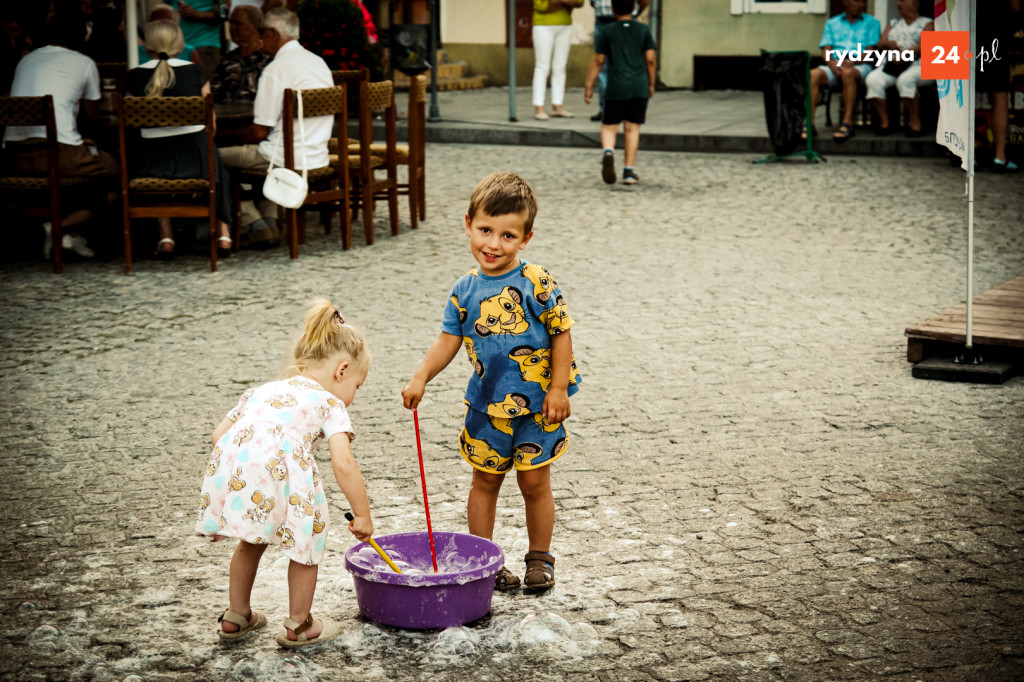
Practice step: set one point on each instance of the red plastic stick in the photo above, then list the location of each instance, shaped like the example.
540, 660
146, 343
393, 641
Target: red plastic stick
423, 477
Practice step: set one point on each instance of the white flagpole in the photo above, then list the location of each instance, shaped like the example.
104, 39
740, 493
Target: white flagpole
969, 338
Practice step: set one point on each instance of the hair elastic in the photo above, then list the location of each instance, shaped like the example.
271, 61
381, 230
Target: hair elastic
341, 320
163, 56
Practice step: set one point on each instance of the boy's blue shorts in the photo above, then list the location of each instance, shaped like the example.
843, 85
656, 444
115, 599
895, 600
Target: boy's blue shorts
496, 444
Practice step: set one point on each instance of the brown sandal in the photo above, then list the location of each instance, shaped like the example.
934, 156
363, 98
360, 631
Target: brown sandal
506, 580
540, 571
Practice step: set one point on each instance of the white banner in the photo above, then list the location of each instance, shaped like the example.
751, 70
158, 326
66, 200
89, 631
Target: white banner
955, 130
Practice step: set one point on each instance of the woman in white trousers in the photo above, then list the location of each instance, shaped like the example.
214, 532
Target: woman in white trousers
552, 36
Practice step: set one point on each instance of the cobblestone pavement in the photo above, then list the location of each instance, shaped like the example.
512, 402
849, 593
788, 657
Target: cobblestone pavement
757, 490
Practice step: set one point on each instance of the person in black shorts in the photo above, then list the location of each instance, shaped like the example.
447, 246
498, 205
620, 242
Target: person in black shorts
628, 47
996, 27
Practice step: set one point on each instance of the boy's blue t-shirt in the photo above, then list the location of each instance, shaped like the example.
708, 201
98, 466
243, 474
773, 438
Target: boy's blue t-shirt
624, 44
506, 324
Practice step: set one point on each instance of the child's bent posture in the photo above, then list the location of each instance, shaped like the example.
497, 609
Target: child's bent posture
263, 485
512, 319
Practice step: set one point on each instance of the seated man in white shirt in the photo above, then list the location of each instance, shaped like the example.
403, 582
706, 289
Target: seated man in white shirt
73, 80
293, 68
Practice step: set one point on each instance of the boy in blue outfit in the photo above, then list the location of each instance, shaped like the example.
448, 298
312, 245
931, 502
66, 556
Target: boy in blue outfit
629, 50
512, 320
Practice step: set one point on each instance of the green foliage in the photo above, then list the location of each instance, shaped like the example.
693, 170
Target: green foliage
334, 29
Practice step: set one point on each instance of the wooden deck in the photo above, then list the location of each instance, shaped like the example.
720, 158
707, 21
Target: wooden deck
998, 324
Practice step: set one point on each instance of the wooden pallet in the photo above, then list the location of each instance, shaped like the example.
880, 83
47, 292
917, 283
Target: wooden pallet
998, 324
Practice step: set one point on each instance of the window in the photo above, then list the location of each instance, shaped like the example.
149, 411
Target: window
777, 6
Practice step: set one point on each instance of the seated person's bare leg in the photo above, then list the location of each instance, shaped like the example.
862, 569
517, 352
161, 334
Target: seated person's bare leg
882, 112
851, 78
819, 79
913, 112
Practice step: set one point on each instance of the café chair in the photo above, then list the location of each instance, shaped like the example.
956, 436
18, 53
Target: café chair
166, 197
39, 197
413, 154
326, 185
364, 162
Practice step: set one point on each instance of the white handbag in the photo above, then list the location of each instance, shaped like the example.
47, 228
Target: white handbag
283, 186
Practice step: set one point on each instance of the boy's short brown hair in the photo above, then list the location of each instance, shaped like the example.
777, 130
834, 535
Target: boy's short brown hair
503, 193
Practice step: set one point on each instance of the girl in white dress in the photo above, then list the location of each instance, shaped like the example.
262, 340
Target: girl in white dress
263, 485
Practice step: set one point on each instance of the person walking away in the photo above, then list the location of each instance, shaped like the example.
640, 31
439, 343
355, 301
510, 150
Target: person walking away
628, 48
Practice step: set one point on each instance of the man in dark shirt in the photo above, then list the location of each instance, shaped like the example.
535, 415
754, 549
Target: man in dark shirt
239, 71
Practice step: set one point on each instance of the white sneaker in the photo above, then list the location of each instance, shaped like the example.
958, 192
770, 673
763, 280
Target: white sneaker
78, 245
47, 240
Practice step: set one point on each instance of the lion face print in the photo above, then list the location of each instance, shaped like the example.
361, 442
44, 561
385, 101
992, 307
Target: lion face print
556, 319
478, 366
512, 406
502, 314
534, 364
543, 284
479, 452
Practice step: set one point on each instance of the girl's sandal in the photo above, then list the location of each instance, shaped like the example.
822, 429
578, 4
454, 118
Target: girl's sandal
540, 571
506, 580
331, 631
244, 626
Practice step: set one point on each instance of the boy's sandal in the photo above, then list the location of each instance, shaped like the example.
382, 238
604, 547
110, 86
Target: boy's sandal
506, 580
331, 631
844, 132
540, 571
244, 626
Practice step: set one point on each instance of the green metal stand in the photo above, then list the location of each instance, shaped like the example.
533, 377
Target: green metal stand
809, 154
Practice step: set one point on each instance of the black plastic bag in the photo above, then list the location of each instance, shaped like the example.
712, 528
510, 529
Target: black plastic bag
784, 80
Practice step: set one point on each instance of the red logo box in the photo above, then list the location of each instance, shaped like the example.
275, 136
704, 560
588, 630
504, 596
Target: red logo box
946, 55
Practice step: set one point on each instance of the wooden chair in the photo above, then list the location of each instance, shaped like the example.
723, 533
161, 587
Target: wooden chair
163, 197
38, 196
328, 184
365, 162
413, 154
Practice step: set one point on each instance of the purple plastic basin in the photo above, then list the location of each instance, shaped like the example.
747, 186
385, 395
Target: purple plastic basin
418, 599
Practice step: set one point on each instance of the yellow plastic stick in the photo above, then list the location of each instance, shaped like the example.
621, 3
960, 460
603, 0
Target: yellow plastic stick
383, 554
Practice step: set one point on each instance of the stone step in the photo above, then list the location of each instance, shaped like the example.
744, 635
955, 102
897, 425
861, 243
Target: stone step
461, 82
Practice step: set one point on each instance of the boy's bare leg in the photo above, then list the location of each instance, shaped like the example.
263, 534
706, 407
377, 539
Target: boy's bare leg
535, 485
301, 586
608, 133
483, 503
632, 143
244, 562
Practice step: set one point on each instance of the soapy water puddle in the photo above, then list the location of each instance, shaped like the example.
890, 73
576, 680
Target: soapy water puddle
169, 632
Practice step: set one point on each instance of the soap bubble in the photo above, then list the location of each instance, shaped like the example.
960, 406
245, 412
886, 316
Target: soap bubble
245, 669
26, 611
583, 632
502, 632
290, 669
455, 646
101, 674
543, 627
